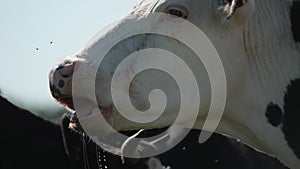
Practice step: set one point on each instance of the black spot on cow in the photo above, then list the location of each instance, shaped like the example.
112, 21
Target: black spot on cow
291, 119
61, 83
274, 114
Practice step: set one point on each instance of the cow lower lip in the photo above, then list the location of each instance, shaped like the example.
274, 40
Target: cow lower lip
74, 122
66, 101
72, 117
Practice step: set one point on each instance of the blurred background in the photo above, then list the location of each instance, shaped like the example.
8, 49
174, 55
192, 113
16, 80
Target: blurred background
36, 34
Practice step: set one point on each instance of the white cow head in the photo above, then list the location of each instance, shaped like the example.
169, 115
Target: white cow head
256, 47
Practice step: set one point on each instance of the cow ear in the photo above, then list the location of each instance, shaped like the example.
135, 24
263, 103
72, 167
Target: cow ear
242, 8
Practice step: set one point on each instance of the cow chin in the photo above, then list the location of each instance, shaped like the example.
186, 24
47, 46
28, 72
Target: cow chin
117, 122
67, 102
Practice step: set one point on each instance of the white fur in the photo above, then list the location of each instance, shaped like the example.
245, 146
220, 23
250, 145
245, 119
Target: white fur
260, 58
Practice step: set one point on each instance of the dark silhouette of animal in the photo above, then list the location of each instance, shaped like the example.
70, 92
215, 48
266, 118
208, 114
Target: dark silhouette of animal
31, 142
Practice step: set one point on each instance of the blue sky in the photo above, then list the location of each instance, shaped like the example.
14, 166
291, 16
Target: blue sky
27, 25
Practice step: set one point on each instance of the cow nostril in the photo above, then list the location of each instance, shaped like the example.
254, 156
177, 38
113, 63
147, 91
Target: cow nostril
54, 91
60, 66
61, 83
65, 69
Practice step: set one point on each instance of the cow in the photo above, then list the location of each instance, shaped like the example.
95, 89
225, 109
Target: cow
258, 48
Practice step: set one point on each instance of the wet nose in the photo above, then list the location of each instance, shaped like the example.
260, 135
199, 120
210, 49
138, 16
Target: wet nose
60, 79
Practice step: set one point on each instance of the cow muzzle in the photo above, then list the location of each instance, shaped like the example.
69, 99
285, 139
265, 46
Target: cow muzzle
60, 79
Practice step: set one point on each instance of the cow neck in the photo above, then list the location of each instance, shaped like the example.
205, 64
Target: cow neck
273, 54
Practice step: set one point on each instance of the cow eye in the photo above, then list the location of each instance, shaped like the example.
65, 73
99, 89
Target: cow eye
178, 11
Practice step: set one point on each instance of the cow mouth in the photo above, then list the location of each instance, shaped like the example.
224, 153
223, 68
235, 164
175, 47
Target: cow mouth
74, 122
66, 101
